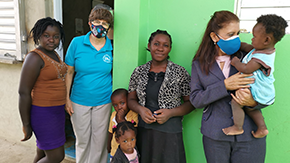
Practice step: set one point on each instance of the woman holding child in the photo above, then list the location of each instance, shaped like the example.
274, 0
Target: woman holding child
156, 91
213, 80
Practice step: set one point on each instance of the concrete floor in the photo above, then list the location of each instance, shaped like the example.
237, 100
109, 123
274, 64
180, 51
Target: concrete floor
18, 153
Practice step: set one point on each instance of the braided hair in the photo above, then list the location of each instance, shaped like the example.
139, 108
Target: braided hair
41, 25
124, 126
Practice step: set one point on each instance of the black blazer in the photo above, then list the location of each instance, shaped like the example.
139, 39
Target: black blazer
209, 92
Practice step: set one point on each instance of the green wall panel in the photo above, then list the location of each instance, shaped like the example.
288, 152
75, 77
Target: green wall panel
186, 20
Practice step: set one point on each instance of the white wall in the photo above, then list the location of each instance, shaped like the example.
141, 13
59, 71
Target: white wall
10, 123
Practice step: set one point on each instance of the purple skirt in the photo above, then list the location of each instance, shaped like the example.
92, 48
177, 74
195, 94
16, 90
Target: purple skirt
48, 125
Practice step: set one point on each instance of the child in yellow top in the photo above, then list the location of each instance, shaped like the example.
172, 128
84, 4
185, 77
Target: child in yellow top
119, 102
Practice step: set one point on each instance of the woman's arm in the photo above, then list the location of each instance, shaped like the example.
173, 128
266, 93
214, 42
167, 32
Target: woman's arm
162, 115
29, 74
144, 112
68, 82
208, 88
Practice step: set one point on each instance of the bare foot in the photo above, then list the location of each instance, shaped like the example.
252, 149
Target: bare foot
233, 130
260, 133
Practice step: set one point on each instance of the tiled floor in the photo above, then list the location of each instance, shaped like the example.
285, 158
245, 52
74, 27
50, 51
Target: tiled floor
70, 139
70, 147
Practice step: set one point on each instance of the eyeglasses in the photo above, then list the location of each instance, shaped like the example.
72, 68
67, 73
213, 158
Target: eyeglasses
103, 23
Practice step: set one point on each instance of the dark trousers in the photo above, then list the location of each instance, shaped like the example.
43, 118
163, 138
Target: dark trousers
234, 152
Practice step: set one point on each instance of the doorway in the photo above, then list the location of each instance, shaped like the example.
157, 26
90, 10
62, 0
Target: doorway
75, 23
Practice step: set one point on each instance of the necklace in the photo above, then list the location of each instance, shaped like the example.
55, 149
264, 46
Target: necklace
60, 67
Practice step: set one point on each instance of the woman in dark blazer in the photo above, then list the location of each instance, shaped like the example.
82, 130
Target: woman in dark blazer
212, 83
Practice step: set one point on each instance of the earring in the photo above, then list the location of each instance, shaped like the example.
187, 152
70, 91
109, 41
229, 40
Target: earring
214, 43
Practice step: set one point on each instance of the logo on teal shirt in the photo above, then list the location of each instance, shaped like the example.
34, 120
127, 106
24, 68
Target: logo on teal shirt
107, 58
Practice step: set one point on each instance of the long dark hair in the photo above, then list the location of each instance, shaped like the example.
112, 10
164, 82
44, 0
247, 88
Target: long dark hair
207, 50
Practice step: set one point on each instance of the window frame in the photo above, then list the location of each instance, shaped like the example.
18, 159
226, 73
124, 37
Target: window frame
245, 28
14, 55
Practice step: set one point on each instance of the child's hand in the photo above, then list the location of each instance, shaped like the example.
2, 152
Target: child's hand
235, 60
120, 116
109, 148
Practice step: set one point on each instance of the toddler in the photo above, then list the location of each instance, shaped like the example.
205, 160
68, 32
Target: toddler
119, 102
125, 135
268, 30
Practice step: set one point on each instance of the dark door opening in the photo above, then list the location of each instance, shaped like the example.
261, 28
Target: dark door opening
75, 23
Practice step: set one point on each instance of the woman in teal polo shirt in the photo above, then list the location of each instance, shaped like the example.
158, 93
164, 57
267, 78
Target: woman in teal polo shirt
89, 104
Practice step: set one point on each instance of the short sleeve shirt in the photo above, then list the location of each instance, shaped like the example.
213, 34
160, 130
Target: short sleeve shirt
92, 84
262, 89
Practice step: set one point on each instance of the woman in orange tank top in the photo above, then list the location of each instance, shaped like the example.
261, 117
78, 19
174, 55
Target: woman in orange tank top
42, 92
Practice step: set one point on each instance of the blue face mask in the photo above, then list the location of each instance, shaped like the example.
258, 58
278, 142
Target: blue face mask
230, 45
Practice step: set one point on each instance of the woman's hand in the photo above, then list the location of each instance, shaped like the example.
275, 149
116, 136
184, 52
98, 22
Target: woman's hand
68, 107
147, 116
238, 81
27, 132
244, 97
162, 115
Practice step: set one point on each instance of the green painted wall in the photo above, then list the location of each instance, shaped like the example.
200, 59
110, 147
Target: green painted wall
186, 20
277, 116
